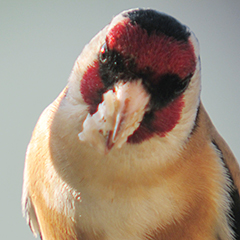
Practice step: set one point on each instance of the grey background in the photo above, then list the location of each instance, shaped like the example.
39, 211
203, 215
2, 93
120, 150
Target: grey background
39, 42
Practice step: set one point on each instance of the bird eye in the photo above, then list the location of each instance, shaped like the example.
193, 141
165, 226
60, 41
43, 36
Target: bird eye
103, 55
183, 85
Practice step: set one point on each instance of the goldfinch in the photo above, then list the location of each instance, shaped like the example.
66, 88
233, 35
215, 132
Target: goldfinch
127, 151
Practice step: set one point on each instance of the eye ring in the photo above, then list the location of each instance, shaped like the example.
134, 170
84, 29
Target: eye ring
103, 54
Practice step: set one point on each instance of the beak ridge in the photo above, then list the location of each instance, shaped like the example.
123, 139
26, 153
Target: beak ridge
118, 116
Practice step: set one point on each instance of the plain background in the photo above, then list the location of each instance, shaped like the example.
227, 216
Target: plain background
39, 42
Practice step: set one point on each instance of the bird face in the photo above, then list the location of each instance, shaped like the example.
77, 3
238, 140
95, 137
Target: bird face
141, 81
127, 150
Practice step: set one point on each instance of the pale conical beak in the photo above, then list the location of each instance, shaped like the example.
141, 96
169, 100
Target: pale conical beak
117, 117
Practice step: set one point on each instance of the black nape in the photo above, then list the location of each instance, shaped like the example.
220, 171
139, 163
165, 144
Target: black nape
156, 22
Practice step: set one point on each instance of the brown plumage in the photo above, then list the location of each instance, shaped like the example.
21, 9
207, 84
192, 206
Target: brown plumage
127, 150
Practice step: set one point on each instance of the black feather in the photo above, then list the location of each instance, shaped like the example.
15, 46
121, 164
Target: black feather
234, 194
159, 23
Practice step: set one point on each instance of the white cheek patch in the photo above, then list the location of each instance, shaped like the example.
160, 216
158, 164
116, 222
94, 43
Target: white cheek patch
117, 117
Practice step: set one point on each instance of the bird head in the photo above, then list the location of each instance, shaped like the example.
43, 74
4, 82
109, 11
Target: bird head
139, 79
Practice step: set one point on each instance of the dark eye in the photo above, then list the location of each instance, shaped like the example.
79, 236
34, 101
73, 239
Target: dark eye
103, 55
182, 85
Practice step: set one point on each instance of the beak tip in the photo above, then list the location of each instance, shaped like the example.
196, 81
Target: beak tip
107, 150
109, 142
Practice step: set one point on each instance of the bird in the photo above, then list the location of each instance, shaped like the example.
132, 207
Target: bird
127, 149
